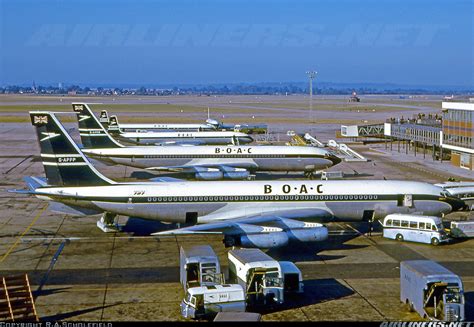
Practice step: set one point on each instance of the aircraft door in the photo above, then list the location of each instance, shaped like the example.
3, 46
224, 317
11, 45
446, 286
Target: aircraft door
405, 200
408, 200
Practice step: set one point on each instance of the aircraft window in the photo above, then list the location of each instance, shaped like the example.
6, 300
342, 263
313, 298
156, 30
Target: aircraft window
365, 197
307, 197
285, 197
370, 197
221, 198
428, 225
396, 223
345, 197
389, 222
276, 197
331, 197
200, 198
413, 224
351, 197
422, 225
404, 223
375, 197
246, 198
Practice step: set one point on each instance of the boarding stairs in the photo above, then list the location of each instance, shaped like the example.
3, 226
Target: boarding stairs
345, 152
16, 299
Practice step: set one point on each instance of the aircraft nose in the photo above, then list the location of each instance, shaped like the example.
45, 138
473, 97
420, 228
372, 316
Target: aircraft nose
247, 139
455, 203
335, 159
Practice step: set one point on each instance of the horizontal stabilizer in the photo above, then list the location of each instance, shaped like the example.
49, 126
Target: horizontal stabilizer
166, 179
32, 183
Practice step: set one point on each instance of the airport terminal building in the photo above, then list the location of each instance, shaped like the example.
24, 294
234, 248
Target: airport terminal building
458, 133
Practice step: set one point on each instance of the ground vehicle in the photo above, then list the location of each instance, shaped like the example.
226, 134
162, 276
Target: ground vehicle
327, 175
259, 274
423, 229
292, 277
204, 301
462, 228
199, 266
431, 290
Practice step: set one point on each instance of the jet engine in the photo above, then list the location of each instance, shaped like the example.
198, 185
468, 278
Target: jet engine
308, 234
213, 175
265, 241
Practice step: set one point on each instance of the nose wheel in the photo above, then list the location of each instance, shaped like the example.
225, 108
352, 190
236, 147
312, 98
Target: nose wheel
108, 223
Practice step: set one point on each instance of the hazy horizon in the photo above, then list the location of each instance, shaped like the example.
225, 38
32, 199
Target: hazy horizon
124, 42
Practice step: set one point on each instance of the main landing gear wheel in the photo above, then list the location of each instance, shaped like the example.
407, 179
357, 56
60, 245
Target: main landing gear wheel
108, 223
309, 175
399, 237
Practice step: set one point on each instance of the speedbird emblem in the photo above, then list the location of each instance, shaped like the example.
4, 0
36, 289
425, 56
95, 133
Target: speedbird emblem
48, 136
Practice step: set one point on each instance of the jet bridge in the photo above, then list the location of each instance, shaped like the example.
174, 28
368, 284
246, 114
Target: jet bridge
367, 130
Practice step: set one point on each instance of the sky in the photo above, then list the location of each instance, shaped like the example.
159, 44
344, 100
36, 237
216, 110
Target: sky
162, 42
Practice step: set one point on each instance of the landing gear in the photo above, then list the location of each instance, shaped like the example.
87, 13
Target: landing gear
108, 223
309, 174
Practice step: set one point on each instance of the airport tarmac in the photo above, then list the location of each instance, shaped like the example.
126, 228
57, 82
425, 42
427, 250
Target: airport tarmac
80, 273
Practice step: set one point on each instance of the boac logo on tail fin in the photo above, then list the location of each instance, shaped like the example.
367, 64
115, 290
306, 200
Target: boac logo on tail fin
40, 120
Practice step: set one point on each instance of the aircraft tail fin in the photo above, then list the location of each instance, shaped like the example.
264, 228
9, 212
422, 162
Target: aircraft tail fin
93, 133
104, 118
114, 124
63, 162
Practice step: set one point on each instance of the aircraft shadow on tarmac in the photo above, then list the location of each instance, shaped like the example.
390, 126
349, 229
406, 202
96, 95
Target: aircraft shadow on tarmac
295, 252
315, 291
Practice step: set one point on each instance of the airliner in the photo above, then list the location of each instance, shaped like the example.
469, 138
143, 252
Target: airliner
249, 214
112, 125
202, 162
174, 137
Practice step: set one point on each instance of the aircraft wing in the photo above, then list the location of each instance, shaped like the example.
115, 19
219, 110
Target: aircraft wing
253, 224
205, 168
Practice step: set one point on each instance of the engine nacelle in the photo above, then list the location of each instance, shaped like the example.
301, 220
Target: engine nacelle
308, 234
265, 241
209, 175
241, 174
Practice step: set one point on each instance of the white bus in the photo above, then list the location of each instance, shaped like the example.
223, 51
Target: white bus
423, 229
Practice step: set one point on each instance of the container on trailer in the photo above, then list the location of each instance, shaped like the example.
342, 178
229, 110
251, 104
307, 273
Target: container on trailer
199, 266
459, 229
259, 274
292, 277
431, 290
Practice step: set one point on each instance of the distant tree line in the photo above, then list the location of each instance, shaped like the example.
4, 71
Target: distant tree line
217, 89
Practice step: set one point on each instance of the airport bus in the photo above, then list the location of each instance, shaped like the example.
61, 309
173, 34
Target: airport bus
422, 229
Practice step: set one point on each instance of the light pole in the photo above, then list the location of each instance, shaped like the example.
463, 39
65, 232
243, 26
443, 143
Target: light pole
311, 75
